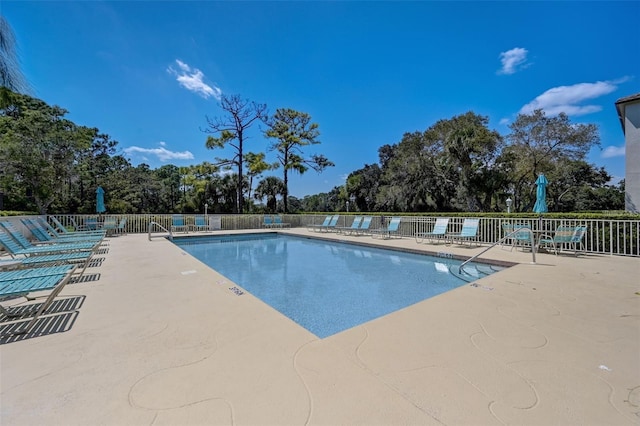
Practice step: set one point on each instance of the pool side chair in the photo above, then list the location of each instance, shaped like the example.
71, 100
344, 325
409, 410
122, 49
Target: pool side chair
61, 230
521, 236
91, 224
469, 232
200, 223
332, 224
437, 233
109, 225
178, 224
80, 258
278, 223
24, 243
313, 227
267, 221
26, 281
354, 226
571, 236
388, 232
122, 227
364, 226
15, 249
45, 235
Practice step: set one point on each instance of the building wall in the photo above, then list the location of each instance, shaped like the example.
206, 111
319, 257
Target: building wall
632, 154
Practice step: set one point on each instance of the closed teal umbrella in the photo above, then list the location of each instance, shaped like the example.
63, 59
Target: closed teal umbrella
100, 200
541, 195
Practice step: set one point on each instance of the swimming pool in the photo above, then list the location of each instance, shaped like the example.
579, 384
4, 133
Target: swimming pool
326, 287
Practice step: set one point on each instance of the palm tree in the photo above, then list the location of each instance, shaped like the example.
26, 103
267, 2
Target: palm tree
270, 187
11, 76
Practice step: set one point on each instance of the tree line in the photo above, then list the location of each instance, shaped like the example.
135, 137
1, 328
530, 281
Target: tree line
51, 165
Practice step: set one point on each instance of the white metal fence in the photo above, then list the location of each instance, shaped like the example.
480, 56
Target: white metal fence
604, 236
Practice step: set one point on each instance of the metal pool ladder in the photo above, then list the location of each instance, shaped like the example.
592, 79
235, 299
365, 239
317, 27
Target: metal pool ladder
157, 225
510, 234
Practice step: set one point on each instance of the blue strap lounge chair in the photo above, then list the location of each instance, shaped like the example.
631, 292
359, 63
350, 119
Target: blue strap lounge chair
44, 235
279, 223
267, 221
354, 226
22, 282
200, 223
61, 230
178, 223
468, 232
389, 231
364, 226
81, 258
438, 232
332, 224
313, 227
570, 236
14, 249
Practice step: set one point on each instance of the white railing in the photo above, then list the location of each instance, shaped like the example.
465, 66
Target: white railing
604, 236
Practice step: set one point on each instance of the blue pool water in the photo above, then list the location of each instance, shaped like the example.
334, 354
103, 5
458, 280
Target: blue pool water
326, 287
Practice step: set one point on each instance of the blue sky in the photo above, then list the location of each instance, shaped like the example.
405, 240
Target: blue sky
147, 73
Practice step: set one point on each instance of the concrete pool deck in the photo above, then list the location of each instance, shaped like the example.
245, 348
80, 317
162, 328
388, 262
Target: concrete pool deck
161, 339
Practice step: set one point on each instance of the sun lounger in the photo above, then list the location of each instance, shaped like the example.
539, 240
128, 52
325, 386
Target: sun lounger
329, 223
278, 223
25, 248
178, 223
438, 232
200, 223
354, 226
39, 279
267, 221
364, 227
389, 231
468, 232
43, 235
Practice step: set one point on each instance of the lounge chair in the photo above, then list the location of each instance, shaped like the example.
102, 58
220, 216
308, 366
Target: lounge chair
389, 231
364, 226
357, 220
80, 258
44, 235
200, 223
178, 223
438, 232
332, 224
267, 221
25, 248
468, 232
571, 236
324, 225
312, 227
60, 230
278, 223
21, 282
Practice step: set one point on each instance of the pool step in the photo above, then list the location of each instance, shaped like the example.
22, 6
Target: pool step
472, 271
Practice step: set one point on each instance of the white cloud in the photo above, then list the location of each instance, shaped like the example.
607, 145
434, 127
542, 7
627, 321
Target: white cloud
568, 99
162, 153
513, 60
613, 151
192, 79
504, 121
